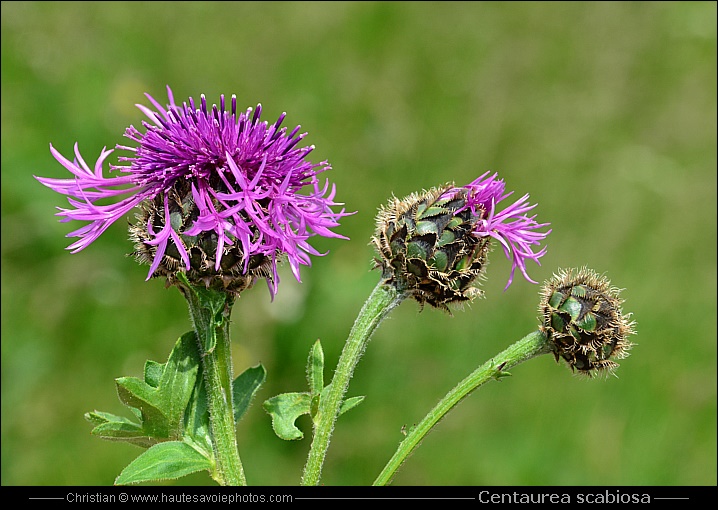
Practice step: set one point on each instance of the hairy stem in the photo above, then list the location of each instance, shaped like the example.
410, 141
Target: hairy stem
532, 345
381, 301
210, 315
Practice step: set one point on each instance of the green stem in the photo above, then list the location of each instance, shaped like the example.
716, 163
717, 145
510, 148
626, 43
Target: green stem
532, 345
210, 315
381, 301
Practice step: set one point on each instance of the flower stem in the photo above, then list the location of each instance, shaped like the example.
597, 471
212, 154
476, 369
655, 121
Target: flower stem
530, 346
381, 301
210, 315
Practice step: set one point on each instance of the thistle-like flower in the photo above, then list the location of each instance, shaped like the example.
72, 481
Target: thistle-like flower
221, 195
581, 314
434, 245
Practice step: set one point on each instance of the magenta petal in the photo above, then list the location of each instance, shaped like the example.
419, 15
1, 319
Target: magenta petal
516, 232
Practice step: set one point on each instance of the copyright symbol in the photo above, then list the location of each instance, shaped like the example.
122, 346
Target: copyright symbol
123, 497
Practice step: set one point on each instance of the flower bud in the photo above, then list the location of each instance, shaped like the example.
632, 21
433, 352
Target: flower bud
427, 248
582, 317
434, 245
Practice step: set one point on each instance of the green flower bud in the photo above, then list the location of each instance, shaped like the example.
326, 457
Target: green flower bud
427, 248
581, 314
201, 249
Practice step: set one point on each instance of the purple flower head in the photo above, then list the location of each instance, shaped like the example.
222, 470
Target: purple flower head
516, 231
219, 191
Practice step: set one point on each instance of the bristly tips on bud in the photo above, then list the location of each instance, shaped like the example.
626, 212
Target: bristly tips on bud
434, 245
581, 314
222, 196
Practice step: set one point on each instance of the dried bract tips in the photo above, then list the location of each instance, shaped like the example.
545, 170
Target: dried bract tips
180, 212
581, 314
434, 245
427, 248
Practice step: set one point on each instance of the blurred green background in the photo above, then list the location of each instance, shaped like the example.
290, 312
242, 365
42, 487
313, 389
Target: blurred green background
604, 112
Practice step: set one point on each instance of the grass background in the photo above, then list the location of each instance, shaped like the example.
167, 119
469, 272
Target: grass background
604, 112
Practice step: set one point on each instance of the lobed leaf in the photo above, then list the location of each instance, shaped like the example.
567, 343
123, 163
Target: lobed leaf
284, 410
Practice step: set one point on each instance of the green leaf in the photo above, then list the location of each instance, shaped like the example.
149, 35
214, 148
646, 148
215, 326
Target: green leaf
284, 410
153, 372
178, 380
350, 403
99, 417
137, 393
117, 428
137, 413
120, 430
197, 426
159, 401
164, 461
244, 387
347, 404
315, 368
500, 372
500, 375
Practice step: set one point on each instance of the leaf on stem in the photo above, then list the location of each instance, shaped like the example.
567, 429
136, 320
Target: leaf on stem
350, 403
286, 408
164, 461
315, 369
500, 372
244, 387
117, 428
159, 401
